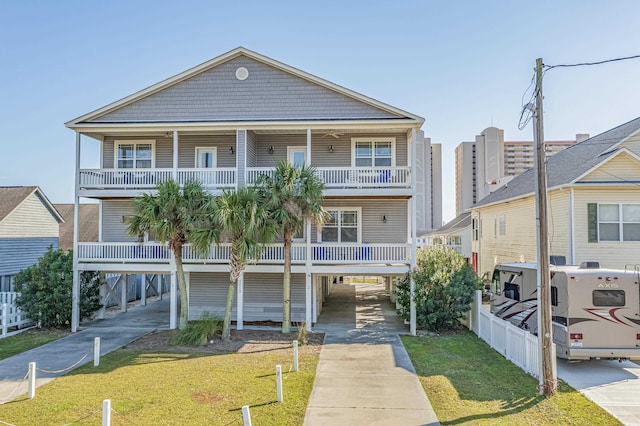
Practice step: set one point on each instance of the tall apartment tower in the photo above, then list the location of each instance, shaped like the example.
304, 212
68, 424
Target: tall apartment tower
479, 165
488, 163
428, 185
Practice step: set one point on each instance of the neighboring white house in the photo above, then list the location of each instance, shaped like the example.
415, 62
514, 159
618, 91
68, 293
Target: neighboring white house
594, 206
226, 122
29, 225
455, 234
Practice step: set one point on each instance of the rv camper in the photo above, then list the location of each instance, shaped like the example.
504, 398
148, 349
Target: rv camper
595, 312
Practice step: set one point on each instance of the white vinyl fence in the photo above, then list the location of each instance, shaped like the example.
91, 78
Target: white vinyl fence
517, 345
10, 315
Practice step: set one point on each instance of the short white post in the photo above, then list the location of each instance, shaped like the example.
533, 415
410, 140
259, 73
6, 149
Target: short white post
246, 416
5, 318
279, 382
106, 412
295, 355
32, 380
96, 352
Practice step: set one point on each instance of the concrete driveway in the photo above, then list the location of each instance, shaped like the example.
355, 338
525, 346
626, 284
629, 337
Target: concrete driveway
613, 385
61, 356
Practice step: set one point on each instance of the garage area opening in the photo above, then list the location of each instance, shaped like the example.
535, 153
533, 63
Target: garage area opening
359, 305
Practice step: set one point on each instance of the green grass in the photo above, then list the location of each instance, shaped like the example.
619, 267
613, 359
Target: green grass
172, 389
22, 342
469, 383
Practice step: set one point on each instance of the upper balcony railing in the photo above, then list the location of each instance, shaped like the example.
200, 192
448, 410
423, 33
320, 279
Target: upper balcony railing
350, 177
148, 178
321, 253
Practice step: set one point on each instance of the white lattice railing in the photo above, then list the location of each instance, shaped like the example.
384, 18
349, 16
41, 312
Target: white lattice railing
360, 253
149, 178
350, 177
209, 178
10, 315
322, 253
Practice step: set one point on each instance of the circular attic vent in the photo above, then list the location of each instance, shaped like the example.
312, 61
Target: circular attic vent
242, 73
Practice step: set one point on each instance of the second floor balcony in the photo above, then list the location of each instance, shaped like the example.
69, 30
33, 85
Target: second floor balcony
132, 182
318, 253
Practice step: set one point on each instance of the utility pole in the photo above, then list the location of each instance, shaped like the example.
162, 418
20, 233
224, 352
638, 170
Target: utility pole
548, 385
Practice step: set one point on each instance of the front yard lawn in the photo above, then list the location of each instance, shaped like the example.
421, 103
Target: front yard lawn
468, 382
22, 342
176, 388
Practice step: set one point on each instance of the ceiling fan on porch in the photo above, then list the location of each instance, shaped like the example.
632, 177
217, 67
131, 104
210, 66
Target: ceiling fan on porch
332, 133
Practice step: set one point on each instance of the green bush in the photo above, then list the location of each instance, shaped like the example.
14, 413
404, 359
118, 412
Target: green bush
46, 290
445, 286
199, 332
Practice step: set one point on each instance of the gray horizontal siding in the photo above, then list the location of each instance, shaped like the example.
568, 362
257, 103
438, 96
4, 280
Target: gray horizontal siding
208, 294
252, 150
187, 149
280, 144
163, 150
373, 229
262, 296
113, 229
267, 94
341, 155
19, 253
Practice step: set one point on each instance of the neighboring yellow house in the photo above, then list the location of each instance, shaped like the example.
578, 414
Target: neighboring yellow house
594, 207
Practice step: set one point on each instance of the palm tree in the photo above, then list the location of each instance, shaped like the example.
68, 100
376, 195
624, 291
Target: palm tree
244, 222
292, 195
170, 216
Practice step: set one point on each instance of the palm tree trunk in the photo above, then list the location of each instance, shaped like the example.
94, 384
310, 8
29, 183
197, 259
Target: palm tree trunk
226, 326
286, 286
182, 284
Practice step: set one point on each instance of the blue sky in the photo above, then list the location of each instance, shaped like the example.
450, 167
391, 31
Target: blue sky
463, 65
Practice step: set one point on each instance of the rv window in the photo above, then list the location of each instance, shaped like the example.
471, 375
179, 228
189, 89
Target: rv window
608, 298
554, 296
512, 291
495, 282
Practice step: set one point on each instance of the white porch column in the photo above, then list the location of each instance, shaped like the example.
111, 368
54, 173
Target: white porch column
175, 155
240, 303
412, 303
308, 293
124, 285
572, 234
143, 290
308, 302
308, 156
173, 297
75, 299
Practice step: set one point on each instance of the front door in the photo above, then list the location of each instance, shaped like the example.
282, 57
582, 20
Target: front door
206, 158
297, 155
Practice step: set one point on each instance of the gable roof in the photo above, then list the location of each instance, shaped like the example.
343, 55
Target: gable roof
461, 221
210, 92
89, 223
568, 165
12, 196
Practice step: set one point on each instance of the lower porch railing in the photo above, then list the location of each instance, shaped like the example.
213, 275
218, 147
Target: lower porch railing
321, 253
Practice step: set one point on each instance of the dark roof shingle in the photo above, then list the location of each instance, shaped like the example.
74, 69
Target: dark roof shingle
566, 165
12, 196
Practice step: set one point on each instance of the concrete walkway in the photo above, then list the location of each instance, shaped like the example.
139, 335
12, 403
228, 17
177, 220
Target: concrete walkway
364, 375
72, 351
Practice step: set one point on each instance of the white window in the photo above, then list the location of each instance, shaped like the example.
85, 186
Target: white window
134, 154
343, 226
373, 152
206, 157
619, 222
296, 155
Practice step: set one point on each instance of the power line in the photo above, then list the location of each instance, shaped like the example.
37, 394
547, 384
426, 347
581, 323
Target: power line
581, 64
